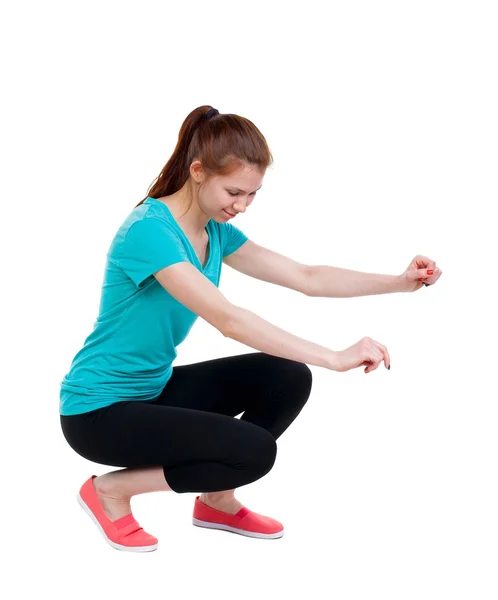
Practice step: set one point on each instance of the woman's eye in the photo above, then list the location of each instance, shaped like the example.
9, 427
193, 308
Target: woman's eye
236, 193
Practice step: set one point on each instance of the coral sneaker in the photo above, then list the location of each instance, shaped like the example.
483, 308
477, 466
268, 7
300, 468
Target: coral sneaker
244, 522
123, 533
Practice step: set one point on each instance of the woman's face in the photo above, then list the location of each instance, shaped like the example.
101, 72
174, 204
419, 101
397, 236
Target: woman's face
232, 193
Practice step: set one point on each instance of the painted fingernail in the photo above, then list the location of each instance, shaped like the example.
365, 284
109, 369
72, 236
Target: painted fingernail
389, 368
430, 272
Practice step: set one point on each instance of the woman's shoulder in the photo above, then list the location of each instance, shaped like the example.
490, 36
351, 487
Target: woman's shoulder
143, 223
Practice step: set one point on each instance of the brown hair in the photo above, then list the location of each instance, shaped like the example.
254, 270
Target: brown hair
222, 143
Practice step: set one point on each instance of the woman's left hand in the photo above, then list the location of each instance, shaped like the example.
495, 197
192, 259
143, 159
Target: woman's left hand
420, 271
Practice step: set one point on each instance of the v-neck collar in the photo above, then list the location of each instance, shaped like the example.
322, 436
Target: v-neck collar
177, 225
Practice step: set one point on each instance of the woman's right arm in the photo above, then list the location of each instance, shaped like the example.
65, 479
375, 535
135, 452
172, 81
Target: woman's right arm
195, 291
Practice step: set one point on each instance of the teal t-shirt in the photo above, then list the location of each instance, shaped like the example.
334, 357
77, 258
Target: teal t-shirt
129, 354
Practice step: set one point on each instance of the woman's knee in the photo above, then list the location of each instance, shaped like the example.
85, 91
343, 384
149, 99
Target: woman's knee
289, 369
303, 375
261, 451
268, 452
299, 380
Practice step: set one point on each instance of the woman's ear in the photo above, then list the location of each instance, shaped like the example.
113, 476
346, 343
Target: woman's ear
197, 172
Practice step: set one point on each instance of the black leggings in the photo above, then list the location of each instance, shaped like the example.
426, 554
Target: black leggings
190, 430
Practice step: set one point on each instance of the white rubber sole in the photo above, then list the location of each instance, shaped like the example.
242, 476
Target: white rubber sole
83, 505
209, 525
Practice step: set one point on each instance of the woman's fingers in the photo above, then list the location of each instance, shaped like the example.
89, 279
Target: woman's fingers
385, 355
374, 357
433, 277
377, 352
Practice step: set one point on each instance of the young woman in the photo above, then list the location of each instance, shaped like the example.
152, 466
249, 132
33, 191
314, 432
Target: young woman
122, 403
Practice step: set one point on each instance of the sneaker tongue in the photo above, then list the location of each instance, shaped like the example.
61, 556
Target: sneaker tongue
243, 512
124, 521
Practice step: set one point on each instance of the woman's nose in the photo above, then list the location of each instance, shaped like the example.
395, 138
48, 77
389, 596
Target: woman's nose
240, 207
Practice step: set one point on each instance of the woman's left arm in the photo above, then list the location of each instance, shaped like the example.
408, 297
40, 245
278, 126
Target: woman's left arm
334, 282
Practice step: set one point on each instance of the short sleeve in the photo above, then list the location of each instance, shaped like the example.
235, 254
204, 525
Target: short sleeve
233, 238
148, 246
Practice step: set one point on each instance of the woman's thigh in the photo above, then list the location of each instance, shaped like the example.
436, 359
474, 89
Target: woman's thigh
233, 384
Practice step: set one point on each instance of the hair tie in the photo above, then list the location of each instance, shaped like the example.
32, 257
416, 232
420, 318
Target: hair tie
211, 112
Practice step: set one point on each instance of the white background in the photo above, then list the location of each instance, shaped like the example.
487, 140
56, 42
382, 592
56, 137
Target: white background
382, 120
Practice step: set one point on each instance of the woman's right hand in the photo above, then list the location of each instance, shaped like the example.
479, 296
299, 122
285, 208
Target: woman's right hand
367, 352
